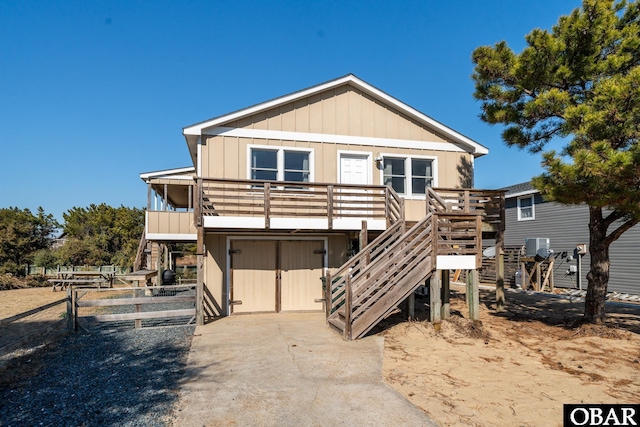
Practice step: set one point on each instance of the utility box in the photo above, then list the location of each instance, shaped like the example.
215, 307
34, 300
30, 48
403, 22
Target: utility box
535, 245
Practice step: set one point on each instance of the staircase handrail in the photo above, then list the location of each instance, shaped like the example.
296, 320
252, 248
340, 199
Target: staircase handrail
398, 258
370, 251
398, 244
369, 248
432, 207
410, 264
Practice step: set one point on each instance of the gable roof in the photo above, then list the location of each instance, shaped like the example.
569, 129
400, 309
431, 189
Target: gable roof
178, 173
517, 190
193, 132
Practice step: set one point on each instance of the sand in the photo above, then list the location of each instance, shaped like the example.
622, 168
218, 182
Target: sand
514, 369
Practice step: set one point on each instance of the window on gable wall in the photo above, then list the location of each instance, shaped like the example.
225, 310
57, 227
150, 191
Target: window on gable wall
526, 208
280, 165
408, 176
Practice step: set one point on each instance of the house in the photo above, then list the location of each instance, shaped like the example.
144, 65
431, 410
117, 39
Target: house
288, 190
529, 216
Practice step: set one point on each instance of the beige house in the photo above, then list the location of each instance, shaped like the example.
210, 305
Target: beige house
285, 192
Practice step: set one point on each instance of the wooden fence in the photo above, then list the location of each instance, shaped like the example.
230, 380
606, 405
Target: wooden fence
139, 307
52, 271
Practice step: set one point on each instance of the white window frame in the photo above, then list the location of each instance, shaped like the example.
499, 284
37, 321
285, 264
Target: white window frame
280, 159
409, 173
532, 207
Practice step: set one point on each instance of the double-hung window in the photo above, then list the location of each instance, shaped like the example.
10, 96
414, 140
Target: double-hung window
409, 176
394, 174
280, 164
264, 165
526, 208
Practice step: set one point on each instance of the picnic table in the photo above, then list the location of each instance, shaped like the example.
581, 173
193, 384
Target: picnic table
82, 278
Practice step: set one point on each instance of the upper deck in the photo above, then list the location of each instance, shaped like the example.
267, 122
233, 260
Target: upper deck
230, 204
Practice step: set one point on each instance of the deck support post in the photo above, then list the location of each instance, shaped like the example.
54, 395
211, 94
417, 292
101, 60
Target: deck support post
347, 308
200, 277
364, 235
70, 311
499, 272
435, 303
445, 311
137, 307
473, 294
411, 306
199, 256
327, 294
160, 248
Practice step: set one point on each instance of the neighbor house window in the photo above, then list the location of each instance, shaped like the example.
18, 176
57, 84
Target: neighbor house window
526, 208
407, 175
280, 164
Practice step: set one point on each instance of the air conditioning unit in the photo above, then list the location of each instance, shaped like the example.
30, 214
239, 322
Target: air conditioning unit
537, 246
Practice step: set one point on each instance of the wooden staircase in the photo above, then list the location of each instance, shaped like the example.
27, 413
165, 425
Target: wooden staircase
369, 286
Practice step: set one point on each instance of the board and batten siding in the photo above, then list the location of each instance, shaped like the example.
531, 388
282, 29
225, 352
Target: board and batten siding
227, 157
567, 226
162, 222
344, 110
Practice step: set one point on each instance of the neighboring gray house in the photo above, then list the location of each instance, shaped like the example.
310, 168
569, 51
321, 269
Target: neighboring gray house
566, 226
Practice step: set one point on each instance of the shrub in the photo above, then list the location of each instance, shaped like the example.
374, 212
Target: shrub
12, 268
37, 281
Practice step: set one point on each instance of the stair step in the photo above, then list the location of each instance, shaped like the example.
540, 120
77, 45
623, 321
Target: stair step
336, 323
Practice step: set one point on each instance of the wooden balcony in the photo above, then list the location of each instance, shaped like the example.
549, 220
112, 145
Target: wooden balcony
270, 205
487, 203
170, 225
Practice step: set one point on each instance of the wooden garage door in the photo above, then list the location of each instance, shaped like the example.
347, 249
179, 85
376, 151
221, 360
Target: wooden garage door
301, 268
253, 276
268, 275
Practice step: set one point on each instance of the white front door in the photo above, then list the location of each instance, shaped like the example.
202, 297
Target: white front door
354, 169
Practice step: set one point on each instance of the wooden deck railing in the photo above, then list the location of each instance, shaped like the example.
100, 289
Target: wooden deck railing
363, 293
372, 283
488, 203
281, 199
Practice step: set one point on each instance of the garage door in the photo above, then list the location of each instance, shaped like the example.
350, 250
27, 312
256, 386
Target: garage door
301, 269
268, 276
252, 276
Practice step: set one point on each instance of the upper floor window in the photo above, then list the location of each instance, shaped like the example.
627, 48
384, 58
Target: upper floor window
280, 164
526, 208
264, 165
408, 175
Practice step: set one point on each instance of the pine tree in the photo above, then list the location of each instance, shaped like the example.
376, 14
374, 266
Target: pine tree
581, 82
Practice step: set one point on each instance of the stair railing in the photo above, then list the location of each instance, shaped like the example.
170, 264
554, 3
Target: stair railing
394, 260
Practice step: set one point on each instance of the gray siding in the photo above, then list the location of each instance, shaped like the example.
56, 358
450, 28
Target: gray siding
566, 226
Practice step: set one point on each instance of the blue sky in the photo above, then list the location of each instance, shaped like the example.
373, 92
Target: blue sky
92, 93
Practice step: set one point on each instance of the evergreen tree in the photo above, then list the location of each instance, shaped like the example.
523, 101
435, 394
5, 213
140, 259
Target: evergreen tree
101, 234
580, 81
22, 234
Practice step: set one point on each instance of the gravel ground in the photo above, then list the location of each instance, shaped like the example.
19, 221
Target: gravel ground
103, 378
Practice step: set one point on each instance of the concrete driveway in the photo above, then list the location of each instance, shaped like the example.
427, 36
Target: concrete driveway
287, 370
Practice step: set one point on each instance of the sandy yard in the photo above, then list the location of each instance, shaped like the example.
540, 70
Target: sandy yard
18, 301
26, 334
514, 369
